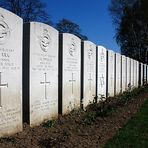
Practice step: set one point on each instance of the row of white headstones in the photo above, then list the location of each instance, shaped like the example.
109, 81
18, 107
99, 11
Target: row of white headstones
60, 72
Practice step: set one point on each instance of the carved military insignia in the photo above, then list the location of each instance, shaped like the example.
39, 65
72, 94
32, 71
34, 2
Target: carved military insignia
4, 30
45, 40
72, 48
90, 52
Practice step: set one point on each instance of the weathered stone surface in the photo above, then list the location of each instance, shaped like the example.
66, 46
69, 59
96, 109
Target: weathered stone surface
135, 73
141, 74
89, 72
123, 73
11, 27
41, 46
70, 71
128, 73
132, 73
111, 73
118, 74
101, 72
137, 84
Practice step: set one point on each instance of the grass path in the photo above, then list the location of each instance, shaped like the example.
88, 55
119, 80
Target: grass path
135, 133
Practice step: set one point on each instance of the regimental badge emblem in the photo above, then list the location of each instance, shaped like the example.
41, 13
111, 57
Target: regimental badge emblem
72, 47
90, 52
4, 30
45, 41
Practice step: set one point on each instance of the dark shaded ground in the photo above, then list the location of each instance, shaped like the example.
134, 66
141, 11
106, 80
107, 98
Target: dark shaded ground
70, 131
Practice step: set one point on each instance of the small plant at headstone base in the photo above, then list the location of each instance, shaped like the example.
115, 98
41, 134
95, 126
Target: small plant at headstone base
129, 95
102, 109
48, 124
89, 118
102, 97
76, 111
146, 87
109, 105
144, 82
105, 107
129, 87
95, 99
124, 97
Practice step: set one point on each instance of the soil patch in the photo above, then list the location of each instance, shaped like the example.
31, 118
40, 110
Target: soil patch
70, 131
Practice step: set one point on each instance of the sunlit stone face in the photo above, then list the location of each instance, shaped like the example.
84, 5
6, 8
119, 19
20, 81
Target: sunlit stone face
111, 74
43, 72
89, 72
71, 61
11, 28
101, 72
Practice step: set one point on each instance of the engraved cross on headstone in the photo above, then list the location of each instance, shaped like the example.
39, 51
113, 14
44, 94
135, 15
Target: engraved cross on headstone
1, 85
45, 84
102, 80
72, 80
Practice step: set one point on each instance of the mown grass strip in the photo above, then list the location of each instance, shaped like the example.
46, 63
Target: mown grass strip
135, 133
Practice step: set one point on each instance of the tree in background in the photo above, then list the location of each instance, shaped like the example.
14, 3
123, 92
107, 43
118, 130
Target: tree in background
116, 9
34, 10
29, 10
131, 20
67, 26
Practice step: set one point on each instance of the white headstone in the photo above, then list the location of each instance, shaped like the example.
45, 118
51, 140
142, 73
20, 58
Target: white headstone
135, 76
111, 73
42, 48
11, 27
70, 53
142, 74
124, 87
145, 68
101, 72
136, 80
118, 74
89, 72
132, 73
128, 73
137, 84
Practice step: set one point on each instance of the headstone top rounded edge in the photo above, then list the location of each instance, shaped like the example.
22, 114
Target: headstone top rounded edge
71, 36
99, 46
89, 42
111, 51
118, 54
2, 10
43, 24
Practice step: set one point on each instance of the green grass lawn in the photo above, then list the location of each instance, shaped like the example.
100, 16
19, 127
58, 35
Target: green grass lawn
134, 134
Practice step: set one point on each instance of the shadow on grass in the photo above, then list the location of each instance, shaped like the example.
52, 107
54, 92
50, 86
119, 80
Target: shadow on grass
134, 134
